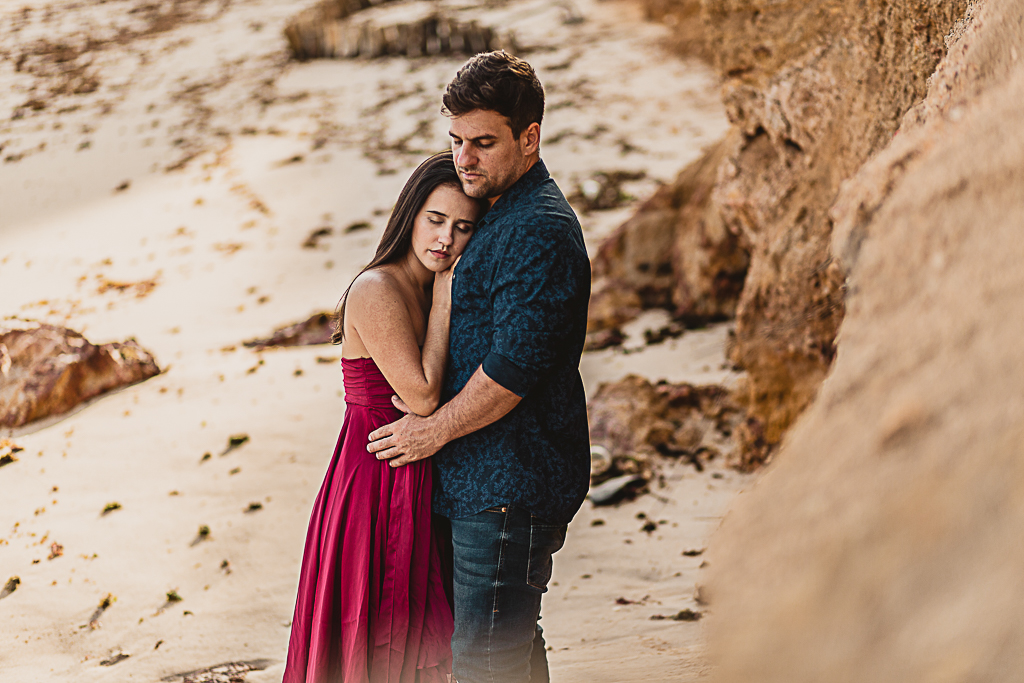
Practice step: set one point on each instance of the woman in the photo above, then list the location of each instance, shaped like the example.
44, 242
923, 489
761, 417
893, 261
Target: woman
371, 603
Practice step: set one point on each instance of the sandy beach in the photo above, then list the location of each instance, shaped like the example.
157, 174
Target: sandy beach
174, 200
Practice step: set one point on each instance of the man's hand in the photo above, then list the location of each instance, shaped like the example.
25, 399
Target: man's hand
405, 441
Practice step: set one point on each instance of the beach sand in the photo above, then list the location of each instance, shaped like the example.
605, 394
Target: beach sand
170, 203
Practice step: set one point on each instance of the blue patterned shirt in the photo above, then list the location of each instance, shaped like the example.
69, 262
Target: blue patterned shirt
519, 309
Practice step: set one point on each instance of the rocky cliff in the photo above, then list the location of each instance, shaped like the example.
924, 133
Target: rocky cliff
882, 544
813, 89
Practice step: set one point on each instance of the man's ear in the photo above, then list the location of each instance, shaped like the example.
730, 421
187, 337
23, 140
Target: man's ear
530, 139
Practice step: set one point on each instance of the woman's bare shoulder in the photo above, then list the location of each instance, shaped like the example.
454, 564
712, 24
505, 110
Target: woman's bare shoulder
372, 288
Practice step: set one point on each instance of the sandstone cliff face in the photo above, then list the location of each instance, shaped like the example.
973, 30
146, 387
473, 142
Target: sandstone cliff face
883, 542
815, 88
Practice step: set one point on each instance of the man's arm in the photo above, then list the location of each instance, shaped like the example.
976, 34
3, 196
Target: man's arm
534, 294
481, 402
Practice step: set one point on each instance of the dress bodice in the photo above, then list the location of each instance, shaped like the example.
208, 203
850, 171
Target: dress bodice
365, 384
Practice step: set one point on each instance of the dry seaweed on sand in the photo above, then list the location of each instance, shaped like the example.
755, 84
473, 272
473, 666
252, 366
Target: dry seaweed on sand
110, 507
202, 535
105, 603
7, 451
115, 658
681, 615
313, 241
235, 441
11, 586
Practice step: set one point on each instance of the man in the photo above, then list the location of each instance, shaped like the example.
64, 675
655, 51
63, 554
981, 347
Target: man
511, 440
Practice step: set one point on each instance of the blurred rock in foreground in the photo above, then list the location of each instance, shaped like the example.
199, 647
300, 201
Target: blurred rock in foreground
48, 370
883, 543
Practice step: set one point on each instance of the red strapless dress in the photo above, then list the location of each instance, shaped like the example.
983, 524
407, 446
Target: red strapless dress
371, 606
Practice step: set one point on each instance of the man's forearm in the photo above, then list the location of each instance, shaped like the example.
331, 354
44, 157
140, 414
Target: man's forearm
481, 402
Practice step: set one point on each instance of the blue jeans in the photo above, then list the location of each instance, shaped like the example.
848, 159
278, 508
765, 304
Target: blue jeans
501, 566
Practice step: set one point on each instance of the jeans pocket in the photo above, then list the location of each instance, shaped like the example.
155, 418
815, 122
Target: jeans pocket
545, 540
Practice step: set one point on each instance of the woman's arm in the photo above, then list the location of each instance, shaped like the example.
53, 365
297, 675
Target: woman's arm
379, 315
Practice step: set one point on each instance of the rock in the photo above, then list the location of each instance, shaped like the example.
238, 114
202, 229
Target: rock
612, 303
812, 91
883, 543
709, 258
413, 28
317, 329
684, 17
673, 253
633, 420
603, 339
603, 190
48, 370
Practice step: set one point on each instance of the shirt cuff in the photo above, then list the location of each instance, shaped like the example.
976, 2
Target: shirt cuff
508, 374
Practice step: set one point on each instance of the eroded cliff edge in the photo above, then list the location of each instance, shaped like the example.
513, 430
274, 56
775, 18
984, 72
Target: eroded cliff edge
812, 89
882, 544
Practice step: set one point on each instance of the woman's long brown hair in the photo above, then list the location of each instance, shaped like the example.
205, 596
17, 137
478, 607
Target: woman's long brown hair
397, 238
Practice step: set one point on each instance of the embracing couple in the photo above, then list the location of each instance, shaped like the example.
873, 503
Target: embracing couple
483, 360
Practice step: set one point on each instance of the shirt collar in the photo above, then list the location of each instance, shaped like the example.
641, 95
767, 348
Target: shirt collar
537, 174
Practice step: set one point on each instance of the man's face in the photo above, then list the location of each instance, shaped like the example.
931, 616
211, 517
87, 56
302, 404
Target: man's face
489, 160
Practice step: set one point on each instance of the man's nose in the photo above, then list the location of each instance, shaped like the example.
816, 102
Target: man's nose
464, 158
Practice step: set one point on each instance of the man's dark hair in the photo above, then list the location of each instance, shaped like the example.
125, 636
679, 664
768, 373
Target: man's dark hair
499, 82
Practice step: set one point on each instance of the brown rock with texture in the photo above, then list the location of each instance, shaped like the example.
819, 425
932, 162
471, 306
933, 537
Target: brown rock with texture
883, 543
674, 252
48, 370
813, 89
635, 419
375, 28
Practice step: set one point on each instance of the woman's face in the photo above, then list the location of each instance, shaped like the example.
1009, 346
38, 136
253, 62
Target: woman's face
443, 227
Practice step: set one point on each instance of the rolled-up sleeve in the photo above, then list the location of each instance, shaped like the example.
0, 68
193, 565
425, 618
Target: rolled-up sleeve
534, 294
